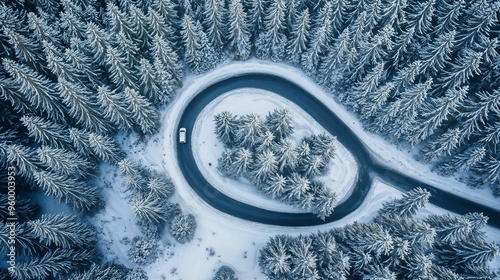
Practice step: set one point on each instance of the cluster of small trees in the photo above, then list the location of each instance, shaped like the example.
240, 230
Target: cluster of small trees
259, 149
396, 245
150, 194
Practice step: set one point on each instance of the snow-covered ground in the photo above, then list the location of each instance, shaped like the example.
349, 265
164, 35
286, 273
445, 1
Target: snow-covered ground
341, 173
235, 241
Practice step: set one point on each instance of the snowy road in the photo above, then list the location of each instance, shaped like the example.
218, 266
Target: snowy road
369, 168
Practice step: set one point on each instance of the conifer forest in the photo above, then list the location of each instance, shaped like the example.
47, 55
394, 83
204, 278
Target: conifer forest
91, 90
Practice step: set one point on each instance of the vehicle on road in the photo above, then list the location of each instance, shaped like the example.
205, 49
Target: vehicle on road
182, 135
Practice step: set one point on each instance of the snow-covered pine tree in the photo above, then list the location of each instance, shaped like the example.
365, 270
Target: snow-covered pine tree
101, 272
37, 89
64, 162
226, 125
462, 160
225, 163
242, 162
126, 48
103, 147
450, 228
83, 63
476, 113
162, 49
320, 40
435, 115
151, 209
9, 92
72, 191
13, 19
335, 57
400, 45
462, 69
23, 158
45, 132
57, 64
114, 108
481, 17
287, 155
407, 75
81, 108
275, 258
139, 23
42, 30
418, 265
275, 186
149, 85
256, 12
215, 23
279, 122
225, 273
378, 99
265, 142
167, 82
303, 259
472, 251
26, 48
448, 14
442, 145
420, 16
239, 33
117, 21
72, 21
312, 165
97, 42
54, 264
80, 140
251, 128
297, 188
299, 36
160, 186
63, 230
368, 84
142, 111
407, 205
120, 70
264, 166
199, 53
436, 56
325, 200
183, 228
158, 24
271, 39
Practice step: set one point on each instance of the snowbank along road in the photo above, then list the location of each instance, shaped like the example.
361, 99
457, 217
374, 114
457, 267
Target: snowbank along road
369, 168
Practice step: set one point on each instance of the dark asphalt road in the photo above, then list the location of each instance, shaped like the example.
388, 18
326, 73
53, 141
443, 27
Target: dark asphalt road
369, 168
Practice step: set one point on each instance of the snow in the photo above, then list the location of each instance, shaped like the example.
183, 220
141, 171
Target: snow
231, 237
342, 170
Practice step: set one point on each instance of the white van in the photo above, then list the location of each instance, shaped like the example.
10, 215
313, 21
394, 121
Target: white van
182, 135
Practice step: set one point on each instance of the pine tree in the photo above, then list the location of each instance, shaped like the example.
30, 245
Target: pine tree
303, 259
38, 90
45, 132
225, 163
256, 13
225, 273
443, 145
372, 51
104, 147
251, 128
151, 209
476, 113
466, 159
126, 48
312, 166
161, 187
23, 158
63, 230
448, 15
84, 66
481, 17
64, 162
114, 108
298, 187
275, 186
275, 258
26, 49
158, 24
299, 36
118, 21
120, 71
287, 155
101, 272
77, 193
72, 23
81, 108
437, 114
226, 125
417, 266
12, 19
335, 58
401, 45
214, 15
58, 66
80, 140
183, 228
56, 263
149, 86
408, 205
450, 228
143, 112
325, 200
97, 42
265, 142
9, 92
242, 162
264, 166
199, 53
472, 251
369, 82
420, 16
320, 40
162, 50
140, 26
42, 30
239, 30
271, 40
438, 53
279, 122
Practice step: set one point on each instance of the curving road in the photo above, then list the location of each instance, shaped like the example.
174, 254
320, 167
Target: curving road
369, 168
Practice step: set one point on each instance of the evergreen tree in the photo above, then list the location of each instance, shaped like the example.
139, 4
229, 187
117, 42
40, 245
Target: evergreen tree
443, 145
114, 108
239, 30
149, 86
275, 258
126, 48
324, 200
438, 53
25, 48
118, 21
271, 40
158, 24
448, 15
161, 187
58, 66
265, 165
120, 72
80, 140
303, 259
279, 121
45, 132
401, 45
320, 40
38, 90
140, 26
251, 128
101, 272
265, 142
199, 53
77, 193
56, 263
298, 187
64, 162
450, 228
420, 16
299, 36
81, 108
23, 158
225, 273
97, 42
287, 155
481, 17
103, 147
476, 113
408, 205
162, 50
183, 228
242, 162
63, 230
151, 209
466, 66
256, 13
143, 112
466, 159
214, 16
335, 58
226, 125
472, 251
275, 186
42, 30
